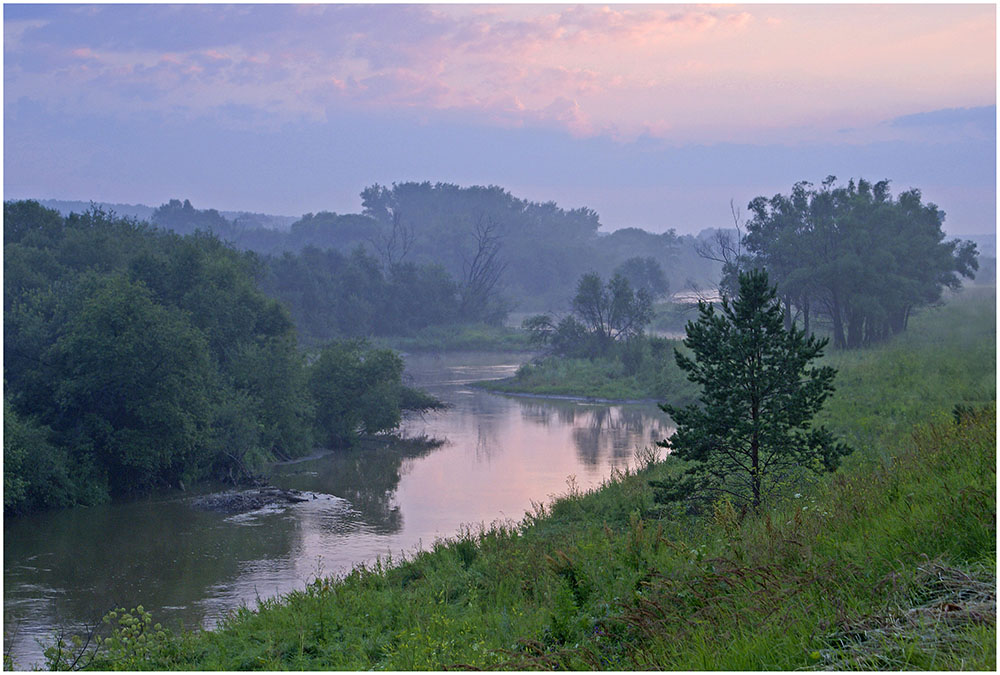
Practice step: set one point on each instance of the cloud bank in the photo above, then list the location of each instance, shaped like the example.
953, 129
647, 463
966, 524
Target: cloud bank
682, 74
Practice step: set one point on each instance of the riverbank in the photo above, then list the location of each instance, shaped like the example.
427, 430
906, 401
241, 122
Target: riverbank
657, 377
460, 337
580, 399
602, 379
887, 564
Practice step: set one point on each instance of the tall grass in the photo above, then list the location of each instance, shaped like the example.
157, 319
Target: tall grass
946, 358
887, 564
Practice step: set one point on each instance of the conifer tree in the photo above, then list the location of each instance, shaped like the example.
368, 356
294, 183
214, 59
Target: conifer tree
751, 432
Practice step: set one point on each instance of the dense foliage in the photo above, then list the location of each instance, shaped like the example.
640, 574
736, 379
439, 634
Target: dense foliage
136, 357
751, 432
333, 295
855, 256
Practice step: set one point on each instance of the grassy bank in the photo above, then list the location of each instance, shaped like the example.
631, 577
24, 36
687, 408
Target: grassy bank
649, 376
887, 564
946, 357
601, 378
461, 337
936, 333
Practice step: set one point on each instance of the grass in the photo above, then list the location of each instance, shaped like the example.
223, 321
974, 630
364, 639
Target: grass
591, 378
655, 377
461, 337
888, 563
947, 357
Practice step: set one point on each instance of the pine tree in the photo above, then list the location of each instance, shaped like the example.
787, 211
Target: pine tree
752, 431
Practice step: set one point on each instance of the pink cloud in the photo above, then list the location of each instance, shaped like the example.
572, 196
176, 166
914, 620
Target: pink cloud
620, 70
569, 114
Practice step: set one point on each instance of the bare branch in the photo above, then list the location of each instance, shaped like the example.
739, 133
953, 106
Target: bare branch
392, 248
724, 248
482, 274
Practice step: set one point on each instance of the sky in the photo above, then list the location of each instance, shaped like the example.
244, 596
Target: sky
655, 116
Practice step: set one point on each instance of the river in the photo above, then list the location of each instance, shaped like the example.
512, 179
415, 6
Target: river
496, 456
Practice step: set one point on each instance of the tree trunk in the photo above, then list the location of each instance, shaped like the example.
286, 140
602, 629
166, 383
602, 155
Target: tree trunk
855, 328
755, 450
838, 324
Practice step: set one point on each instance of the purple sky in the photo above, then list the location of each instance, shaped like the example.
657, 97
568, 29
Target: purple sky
653, 115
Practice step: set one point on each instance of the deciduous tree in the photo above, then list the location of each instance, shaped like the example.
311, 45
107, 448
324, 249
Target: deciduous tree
855, 255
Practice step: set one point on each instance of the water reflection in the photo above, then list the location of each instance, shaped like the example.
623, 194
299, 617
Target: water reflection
367, 477
487, 444
601, 431
498, 454
72, 566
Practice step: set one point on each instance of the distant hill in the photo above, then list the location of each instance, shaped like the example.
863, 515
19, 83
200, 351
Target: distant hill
142, 212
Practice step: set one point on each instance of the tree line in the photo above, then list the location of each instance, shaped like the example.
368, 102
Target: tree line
425, 255
136, 358
540, 249
332, 294
853, 256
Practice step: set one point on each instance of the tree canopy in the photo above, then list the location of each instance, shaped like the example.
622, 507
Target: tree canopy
136, 357
645, 273
855, 256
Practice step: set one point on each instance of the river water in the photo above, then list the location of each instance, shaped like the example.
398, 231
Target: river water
496, 455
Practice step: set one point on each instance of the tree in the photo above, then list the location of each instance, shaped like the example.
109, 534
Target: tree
611, 312
645, 273
603, 315
725, 247
136, 386
356, 389
393, 246
855, 256
482, 273
547, 247
751, 432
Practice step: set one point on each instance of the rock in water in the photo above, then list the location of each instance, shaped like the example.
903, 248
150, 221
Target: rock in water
248, 500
